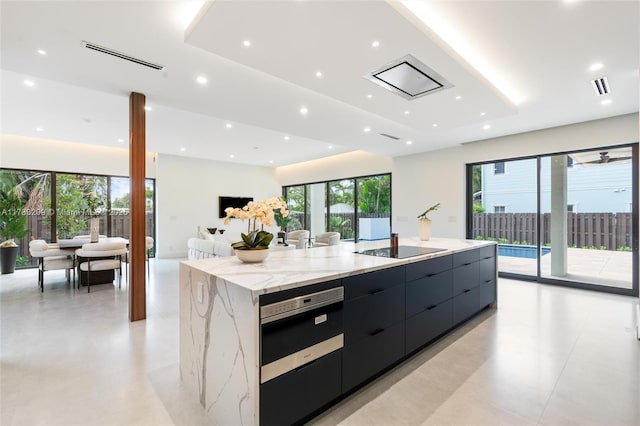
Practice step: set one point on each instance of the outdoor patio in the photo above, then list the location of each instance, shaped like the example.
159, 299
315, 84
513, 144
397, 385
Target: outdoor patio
602, 267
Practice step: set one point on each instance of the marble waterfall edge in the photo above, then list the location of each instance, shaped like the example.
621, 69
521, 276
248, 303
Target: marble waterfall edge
219, 346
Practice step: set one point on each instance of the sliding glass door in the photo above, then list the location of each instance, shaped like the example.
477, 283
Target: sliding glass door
567, 218
586, 201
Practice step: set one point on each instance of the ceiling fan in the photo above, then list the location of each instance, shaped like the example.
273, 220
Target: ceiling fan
605, 159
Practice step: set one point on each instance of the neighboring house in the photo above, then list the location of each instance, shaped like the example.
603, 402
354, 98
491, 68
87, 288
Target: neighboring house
510, 187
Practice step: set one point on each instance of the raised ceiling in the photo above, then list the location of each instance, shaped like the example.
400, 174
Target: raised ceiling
514, 67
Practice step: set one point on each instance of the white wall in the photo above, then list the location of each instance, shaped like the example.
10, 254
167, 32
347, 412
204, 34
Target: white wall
187, 196
19, 152
351, 164
420, 181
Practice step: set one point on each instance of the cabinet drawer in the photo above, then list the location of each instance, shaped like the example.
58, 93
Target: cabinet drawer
466, 257
466, 304
488, 293
364, 359
466, 277
367, 315
428, 292
429, 267
298, 393
427, 325
487, 269
372, 282
488, 251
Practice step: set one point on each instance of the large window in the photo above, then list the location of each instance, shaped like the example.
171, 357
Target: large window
358, 208
56, 205
571, 219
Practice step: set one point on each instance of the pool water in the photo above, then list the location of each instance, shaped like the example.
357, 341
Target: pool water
528, 252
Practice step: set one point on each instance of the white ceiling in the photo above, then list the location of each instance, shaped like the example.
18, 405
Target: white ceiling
540, 50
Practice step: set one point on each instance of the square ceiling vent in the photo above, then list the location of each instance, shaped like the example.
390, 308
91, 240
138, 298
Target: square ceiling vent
409, 78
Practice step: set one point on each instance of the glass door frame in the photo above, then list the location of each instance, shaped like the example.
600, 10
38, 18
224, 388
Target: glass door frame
557, 281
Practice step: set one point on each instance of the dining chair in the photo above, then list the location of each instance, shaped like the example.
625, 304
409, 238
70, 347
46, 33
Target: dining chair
51, 257
101, 257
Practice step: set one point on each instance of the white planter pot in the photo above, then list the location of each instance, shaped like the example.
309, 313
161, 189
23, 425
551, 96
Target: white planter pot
424, 229
94, 229
252, 256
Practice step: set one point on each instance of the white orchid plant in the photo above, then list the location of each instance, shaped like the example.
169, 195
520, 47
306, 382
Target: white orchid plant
261, 212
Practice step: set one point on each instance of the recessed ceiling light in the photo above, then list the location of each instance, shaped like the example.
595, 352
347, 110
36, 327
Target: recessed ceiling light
270, 161
201, 79
330, 147
406, 113
147, 108
486, 126
435, 124
483, 114
369, 96
304, 110
375, 43
183, 149
231, 156
120, 140
605, 102
595, 67
29, 83
367, 129
228, 125
458, 97
39, 129
318, 74
409, 142
42, 52
246, 43
286, 138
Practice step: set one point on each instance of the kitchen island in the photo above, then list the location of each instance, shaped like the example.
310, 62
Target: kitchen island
390, 308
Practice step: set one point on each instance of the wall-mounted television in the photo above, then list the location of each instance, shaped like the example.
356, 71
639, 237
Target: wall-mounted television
235, 202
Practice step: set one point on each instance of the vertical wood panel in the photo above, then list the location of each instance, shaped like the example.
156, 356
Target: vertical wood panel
137, 153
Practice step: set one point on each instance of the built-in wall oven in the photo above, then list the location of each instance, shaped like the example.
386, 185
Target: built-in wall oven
300, 359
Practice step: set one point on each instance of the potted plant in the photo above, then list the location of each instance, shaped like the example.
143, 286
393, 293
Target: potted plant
282, 221
424, 223
95, 206
255, 243
13, 225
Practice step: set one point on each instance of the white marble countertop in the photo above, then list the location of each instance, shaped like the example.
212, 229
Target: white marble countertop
295, 268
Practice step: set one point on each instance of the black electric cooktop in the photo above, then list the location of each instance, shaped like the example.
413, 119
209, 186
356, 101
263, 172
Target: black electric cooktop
400, 252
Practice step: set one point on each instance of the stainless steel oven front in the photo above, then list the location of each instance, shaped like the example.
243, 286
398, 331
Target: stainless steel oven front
300, 329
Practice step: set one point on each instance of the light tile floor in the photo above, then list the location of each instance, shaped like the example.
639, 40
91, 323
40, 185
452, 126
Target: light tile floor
547, 356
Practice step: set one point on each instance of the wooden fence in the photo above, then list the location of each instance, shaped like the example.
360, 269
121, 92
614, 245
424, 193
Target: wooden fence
611, 231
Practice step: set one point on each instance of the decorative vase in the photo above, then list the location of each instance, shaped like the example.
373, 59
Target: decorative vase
8, 256
94, 229
424, 229
252, 256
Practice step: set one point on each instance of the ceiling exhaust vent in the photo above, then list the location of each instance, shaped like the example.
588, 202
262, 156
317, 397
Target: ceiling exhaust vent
601, 86
121, 56
409, 78
389, 136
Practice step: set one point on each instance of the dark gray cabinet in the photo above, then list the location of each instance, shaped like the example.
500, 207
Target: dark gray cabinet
294, 395
387, 315
374, 313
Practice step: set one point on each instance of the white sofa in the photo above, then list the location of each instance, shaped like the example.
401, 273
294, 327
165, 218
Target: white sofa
206, 245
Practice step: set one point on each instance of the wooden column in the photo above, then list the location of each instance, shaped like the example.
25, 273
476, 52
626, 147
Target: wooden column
137, 158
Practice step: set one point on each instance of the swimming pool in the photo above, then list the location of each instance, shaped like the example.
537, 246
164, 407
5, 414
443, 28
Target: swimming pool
513, 250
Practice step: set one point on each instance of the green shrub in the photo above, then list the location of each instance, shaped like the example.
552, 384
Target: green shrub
503, 241
479, 237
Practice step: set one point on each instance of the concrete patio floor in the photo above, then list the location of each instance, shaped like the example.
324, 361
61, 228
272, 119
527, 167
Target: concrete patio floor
602, 267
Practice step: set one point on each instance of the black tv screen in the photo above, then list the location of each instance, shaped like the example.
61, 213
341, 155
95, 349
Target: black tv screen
235, 202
